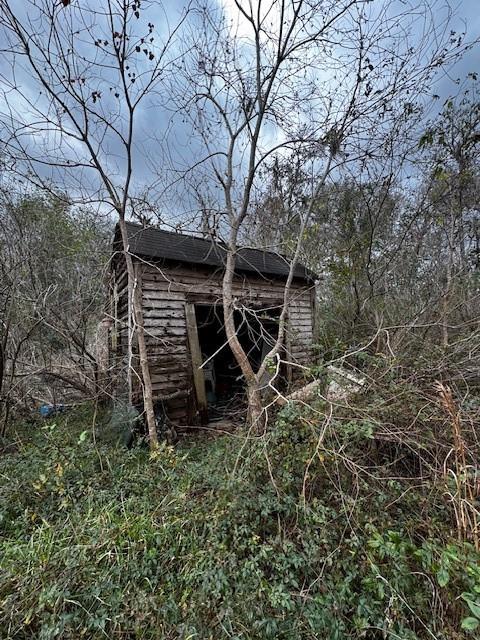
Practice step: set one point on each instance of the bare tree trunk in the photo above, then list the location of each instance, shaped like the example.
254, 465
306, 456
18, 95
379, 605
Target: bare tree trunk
446, 297
3, 406
134, 290
256, 411
255, 408
100, 366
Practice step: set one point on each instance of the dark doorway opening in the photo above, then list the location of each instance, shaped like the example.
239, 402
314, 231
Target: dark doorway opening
257, 331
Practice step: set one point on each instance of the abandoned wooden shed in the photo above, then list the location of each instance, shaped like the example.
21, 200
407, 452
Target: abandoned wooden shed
179, 279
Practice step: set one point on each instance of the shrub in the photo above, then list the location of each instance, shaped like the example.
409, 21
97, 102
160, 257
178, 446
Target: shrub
219, 539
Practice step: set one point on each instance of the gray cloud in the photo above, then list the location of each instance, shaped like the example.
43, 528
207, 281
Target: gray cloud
164, 139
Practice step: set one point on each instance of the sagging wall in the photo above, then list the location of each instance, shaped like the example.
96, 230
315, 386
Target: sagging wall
166, 292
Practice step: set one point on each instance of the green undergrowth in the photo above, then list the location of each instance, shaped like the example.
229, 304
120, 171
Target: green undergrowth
225, 538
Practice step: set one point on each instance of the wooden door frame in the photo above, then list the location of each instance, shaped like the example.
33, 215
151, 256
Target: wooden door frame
196, 358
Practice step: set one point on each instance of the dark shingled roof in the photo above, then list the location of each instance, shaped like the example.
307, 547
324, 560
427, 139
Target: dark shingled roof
151, 242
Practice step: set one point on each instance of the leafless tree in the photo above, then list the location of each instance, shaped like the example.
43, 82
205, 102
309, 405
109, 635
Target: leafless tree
76, 77
320, 84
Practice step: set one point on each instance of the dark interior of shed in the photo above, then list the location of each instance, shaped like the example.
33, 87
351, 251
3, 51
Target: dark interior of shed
257, 331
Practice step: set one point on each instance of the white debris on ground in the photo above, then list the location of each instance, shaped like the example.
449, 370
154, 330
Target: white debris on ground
342, 384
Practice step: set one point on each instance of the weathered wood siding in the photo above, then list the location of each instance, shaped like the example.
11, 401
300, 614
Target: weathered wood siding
165, 293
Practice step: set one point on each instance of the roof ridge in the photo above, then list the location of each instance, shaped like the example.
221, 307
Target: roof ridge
173, 233
219, 243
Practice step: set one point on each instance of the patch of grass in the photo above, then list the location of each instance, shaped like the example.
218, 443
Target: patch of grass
217, 540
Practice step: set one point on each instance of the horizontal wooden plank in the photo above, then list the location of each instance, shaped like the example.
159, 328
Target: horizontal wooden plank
300, 351
165, 312
166, 343
165, 365
170, 387
174, 376
295, 346
169, 376
161, 348
300, 308
154, 323
174, 285
168, 359
299, 339
302, 323
303, 357
299, 325
303, 344
163, 331
304, 315
299, 302
179, 372
156, 296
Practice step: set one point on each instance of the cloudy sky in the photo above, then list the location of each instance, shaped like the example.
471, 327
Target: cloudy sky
163, 137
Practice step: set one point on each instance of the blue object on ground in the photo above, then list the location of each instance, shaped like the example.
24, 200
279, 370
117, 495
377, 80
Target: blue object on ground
49, 410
